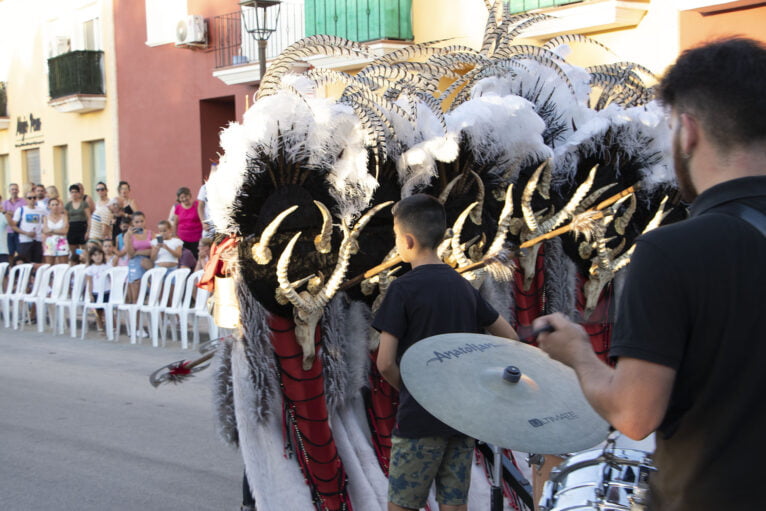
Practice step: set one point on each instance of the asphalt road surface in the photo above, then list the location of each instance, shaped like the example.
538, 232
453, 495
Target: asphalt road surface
81, 429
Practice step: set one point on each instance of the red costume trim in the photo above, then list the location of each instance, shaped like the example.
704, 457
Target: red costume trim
306, 420
381, 403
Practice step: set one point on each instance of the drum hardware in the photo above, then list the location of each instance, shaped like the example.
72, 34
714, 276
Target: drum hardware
535, 461
600, 479
509, 473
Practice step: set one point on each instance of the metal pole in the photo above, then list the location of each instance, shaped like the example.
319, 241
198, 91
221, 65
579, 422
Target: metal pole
497, 481
262, 56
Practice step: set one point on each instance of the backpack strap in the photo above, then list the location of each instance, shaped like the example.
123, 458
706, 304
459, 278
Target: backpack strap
749, 214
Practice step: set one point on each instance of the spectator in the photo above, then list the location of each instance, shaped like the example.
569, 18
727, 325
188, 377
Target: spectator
129, 205
51, 192
28, 223
122, 250
185, 219
86, 197
10, 205
204, 253
42, 198
95, 279
5, 221
187, 260
55, 228
110, 255
166, 248
101, 220
102, 195
138, 242
204, 208
79, 218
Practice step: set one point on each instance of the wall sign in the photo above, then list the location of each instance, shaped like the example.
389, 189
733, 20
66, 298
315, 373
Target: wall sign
29, 130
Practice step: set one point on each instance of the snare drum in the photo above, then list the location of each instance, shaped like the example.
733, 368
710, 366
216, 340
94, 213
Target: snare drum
600, 479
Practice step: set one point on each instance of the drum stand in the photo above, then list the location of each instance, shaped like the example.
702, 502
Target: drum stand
515, 478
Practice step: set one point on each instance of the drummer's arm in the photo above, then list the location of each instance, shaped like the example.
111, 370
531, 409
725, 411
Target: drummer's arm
386, 362
633, 397
501, 328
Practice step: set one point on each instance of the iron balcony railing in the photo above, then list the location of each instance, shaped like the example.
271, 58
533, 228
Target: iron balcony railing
76, 72
517, 6
234, 45
3, 100
360, 20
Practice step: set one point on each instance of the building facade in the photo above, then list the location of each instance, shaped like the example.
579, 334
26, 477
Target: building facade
58, 73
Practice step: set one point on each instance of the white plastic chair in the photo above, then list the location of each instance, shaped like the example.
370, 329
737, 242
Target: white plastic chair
172, 283
182, 311
151, 282
3, 271
18, 278
59, 302
21, 297
201, 313
75, 300
116, 281
50, 284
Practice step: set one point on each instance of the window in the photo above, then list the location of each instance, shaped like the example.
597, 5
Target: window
162, 16
61, 167
94, 162
31, 166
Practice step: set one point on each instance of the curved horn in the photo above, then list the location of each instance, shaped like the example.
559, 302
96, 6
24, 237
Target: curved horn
624, 259
338, 274
621, 223
545, 182
568, 210
593, 197
280, 296
457, 230
286, 288
503, 223
260, 251
323, 241
448, 189
526, 198
477, 212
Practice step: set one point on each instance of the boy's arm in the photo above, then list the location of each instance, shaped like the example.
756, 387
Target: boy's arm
501, 328
386, 363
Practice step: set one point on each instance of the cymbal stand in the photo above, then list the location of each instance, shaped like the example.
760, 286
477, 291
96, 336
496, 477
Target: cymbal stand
497, 480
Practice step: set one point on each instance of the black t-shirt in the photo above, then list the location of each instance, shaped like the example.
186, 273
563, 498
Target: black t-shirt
695, 300
431, 299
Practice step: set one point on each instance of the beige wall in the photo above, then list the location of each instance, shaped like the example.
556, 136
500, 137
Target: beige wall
27, 28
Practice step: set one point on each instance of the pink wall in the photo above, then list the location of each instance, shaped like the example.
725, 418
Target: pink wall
159, 91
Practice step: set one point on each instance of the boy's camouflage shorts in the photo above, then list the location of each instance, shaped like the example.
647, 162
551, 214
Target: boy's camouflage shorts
417, 462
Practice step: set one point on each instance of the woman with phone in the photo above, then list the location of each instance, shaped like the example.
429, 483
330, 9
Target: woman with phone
166, 248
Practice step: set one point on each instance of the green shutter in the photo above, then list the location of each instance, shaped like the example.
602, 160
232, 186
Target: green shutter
359, 20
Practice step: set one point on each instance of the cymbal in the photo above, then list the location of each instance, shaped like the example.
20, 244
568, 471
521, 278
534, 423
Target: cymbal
459, 379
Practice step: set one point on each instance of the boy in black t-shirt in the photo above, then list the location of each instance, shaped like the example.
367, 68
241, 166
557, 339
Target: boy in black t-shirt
431, 299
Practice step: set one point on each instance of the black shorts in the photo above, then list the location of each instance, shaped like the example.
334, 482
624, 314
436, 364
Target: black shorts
76, 233
31, 251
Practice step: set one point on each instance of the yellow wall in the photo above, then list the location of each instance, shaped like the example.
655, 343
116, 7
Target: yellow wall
696, 28
26, 27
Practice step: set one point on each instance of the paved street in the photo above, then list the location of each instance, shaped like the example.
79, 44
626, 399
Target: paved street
82, 429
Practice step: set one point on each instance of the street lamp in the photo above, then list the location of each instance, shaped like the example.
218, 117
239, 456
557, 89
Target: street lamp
263, 29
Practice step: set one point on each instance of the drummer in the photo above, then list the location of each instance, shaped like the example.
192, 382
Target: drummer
431, 299
689, 332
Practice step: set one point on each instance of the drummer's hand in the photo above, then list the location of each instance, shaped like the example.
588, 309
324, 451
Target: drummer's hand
567, 341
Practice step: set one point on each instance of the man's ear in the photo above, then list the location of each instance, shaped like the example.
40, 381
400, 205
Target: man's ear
690, 134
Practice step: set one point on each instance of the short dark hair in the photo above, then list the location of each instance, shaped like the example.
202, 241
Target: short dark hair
422, 216
123, 183
74, 188
721, 83
183, 190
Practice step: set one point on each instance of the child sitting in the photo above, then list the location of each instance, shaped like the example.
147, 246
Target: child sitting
95, 279
429, 300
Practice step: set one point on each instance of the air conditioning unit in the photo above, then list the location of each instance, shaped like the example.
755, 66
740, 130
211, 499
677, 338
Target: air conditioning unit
191, 30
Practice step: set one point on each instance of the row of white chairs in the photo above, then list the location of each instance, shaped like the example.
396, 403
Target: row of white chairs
167, 300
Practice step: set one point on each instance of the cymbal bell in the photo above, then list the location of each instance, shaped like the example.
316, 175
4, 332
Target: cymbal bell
467, 382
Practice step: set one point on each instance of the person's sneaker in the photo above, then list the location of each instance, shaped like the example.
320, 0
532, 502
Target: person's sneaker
142, 334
